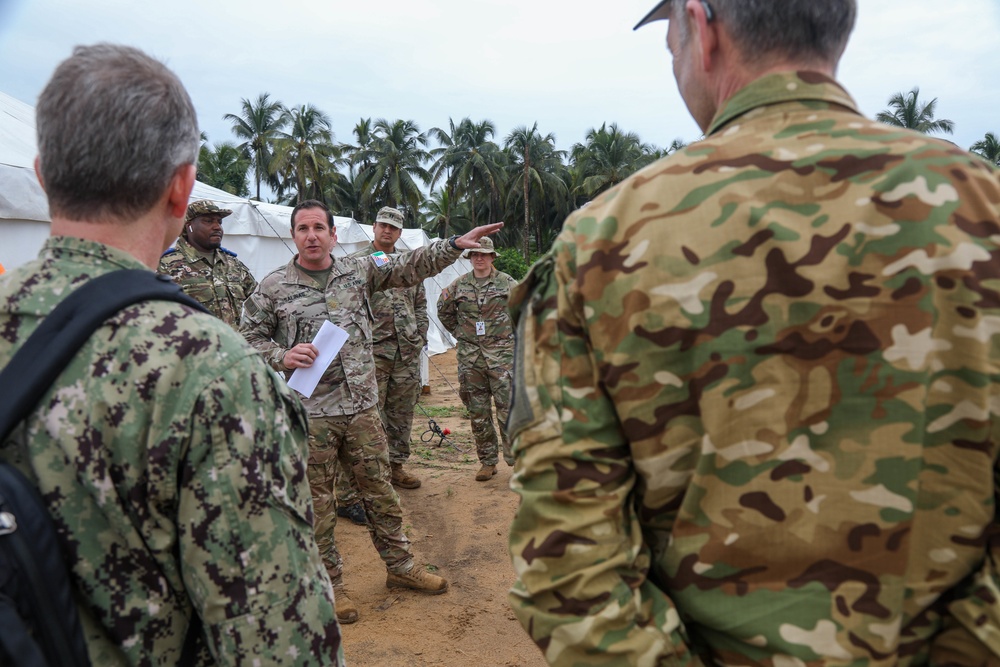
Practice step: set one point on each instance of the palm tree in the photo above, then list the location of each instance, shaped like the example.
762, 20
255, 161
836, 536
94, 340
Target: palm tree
258, 125
988, 148
534, 159
907, 111
305, 154
468, 161
363, 137
392, 165
224, 167
608, 156
441, 212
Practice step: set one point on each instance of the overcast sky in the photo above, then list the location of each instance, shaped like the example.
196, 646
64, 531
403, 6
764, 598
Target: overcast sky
567, 64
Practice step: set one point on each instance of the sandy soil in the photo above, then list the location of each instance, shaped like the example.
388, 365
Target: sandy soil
458, 526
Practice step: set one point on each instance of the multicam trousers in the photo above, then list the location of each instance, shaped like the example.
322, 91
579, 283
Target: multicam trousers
398, 391
358, 443
478, 384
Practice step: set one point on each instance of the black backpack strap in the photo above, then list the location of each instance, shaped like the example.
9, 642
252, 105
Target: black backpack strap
36, 582
55, 342
15, 638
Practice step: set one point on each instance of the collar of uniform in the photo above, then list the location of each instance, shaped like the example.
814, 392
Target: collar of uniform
798, 86
82, 250
372, 250
493, 274
191, 253
295, 277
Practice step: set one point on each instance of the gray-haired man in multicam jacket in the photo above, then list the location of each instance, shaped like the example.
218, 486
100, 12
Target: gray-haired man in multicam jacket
756, 417
171, 458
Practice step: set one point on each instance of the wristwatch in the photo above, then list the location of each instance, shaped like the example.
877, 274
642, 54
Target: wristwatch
451, 241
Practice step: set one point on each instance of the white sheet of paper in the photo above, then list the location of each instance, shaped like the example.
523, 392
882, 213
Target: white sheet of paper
329, 339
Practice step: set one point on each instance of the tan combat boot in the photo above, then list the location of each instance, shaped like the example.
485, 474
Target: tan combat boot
347, 611
403, 479
417, 579
486, 473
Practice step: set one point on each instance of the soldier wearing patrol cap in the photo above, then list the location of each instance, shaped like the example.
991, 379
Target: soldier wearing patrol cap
756, 413
474, 309
399, 333
205, 270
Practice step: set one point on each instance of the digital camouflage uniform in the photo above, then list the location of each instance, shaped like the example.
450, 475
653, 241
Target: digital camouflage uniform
288, 308
484, 358
173, 462
399, 333
756, 396
221, 283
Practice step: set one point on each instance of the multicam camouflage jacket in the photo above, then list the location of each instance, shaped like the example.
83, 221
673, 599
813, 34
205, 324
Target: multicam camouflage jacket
141, 450
476, 315
221, 285
756, 401
400, 319
289, 307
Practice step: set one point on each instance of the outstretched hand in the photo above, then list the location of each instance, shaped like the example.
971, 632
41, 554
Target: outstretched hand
470, 239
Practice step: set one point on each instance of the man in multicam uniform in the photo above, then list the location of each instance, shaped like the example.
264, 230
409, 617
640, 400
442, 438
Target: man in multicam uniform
474, 310
141, 448
756, 392
398, 338
399, 334
207, 272
282, 318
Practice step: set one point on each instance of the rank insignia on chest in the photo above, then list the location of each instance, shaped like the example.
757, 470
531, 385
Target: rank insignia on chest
379, 258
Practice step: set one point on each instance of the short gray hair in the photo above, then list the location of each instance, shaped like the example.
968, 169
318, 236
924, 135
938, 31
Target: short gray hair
114, 125
797, 30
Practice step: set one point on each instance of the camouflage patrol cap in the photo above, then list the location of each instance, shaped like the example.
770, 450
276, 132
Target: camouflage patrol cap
390, 216
204, 207
485, 247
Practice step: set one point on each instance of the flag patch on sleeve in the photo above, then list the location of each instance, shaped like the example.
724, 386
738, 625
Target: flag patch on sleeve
379, 258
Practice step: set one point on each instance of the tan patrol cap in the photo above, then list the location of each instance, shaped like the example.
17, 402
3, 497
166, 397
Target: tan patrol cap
485, 247
204, 207
660, 12
390, 216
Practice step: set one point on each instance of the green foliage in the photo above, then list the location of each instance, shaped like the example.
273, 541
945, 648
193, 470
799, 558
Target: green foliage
988, 148
460, 175
258, 125
393, 171
511, 262
909, 112
437, 411
224, 167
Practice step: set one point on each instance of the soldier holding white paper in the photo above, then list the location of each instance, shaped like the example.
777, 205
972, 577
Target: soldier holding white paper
281, 319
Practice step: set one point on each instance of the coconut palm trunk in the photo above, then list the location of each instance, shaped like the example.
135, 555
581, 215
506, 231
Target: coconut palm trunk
527, 220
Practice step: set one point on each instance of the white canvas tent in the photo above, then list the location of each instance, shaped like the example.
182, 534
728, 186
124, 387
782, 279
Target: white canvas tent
258, 232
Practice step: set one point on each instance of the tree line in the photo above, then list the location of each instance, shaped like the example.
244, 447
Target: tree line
451, 179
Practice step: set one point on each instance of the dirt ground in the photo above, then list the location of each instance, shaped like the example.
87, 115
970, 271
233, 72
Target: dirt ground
458, 527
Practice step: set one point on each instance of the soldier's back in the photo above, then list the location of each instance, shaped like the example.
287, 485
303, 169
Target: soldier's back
160, 399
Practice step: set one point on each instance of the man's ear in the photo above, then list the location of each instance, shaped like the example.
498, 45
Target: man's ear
705, 31
179, 190
38, 171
